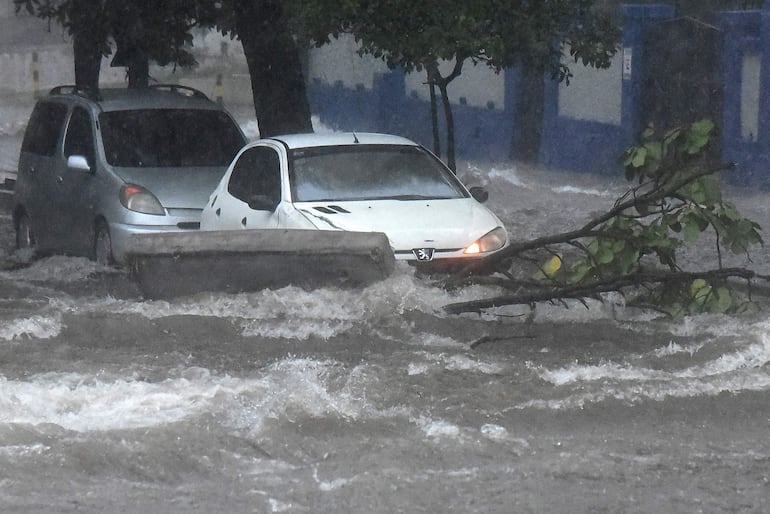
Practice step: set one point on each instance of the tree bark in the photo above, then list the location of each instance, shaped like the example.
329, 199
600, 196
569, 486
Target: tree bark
529, 125
450, 127
131, 36
88, 61
435, 77
272, 55
88, 39
139, 70
434, 118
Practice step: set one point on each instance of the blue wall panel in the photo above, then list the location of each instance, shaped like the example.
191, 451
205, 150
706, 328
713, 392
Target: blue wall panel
584, 145
480, 133
746, 32
488, 133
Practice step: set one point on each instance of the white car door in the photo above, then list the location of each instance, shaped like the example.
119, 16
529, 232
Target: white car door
252, 194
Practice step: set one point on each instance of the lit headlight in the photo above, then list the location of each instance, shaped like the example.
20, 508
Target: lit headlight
491, 241
138, 199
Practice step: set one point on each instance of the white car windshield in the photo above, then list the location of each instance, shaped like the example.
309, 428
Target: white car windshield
370, 172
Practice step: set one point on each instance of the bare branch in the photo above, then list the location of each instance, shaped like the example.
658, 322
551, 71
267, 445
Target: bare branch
611, 284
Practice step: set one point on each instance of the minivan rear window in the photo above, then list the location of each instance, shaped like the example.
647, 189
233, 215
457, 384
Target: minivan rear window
166, 138
44, 129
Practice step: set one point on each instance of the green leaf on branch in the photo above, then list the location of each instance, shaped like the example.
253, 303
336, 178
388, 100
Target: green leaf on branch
698, 136
633, 247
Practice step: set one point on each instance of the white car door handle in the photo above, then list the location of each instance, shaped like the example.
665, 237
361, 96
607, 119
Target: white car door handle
243, 222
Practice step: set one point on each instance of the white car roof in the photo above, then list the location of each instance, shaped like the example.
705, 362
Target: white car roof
340, 138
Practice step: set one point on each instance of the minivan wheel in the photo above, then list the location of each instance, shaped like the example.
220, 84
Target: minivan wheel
103, 245
24, 237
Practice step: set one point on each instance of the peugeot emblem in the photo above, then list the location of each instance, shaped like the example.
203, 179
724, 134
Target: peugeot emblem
423, 254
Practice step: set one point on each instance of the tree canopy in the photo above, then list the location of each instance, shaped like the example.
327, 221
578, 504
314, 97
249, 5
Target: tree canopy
141, 31
413, 36
160, 31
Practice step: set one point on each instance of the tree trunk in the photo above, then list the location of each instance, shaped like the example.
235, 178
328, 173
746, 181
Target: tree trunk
89, 38
139, 70
131, 36
529, 125
435, 77
434, 117
450, 126
88, 61
275, 68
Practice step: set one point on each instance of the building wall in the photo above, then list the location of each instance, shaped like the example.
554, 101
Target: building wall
746, 129
593, 94
586, 125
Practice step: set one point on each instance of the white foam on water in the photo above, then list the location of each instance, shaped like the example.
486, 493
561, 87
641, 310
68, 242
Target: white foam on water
495, 432
33, 327
414, 368
297, 388
330, 485
466, 363
292, 312
279, 506
705, 324
438, 428
742, 369
24, 450
287, 389
675, 349
436, 341
454, 362
84, 403
308, 328
595, 373
584, 191
509, 175
58, 268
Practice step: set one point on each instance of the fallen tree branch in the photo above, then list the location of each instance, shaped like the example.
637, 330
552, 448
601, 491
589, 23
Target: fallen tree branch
592, 289
656, 194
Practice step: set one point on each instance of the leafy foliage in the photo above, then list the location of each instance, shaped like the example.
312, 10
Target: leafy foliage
633, 247
157, 31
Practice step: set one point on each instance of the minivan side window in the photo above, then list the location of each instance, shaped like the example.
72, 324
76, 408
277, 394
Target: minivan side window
44, 128
79, 139
257, 176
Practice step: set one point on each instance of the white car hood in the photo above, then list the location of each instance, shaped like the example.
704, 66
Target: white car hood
409, 224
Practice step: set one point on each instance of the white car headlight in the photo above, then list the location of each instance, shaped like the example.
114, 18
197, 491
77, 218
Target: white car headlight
138, 199
489, 242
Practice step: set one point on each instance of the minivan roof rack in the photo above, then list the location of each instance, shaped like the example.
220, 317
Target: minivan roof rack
179, 89
72, 89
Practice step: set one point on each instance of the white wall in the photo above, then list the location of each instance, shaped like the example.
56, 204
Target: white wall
592, 94
339, 61
750, 96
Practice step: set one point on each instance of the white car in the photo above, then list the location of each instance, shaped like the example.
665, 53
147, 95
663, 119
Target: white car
357, 182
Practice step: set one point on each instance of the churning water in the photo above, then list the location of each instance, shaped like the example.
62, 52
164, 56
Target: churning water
376, 400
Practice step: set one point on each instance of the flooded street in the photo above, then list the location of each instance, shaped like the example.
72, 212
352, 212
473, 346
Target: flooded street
376, 400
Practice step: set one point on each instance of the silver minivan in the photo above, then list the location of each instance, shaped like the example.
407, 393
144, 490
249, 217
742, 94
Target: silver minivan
95, 168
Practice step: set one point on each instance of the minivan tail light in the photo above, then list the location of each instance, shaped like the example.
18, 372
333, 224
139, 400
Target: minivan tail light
138, 199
